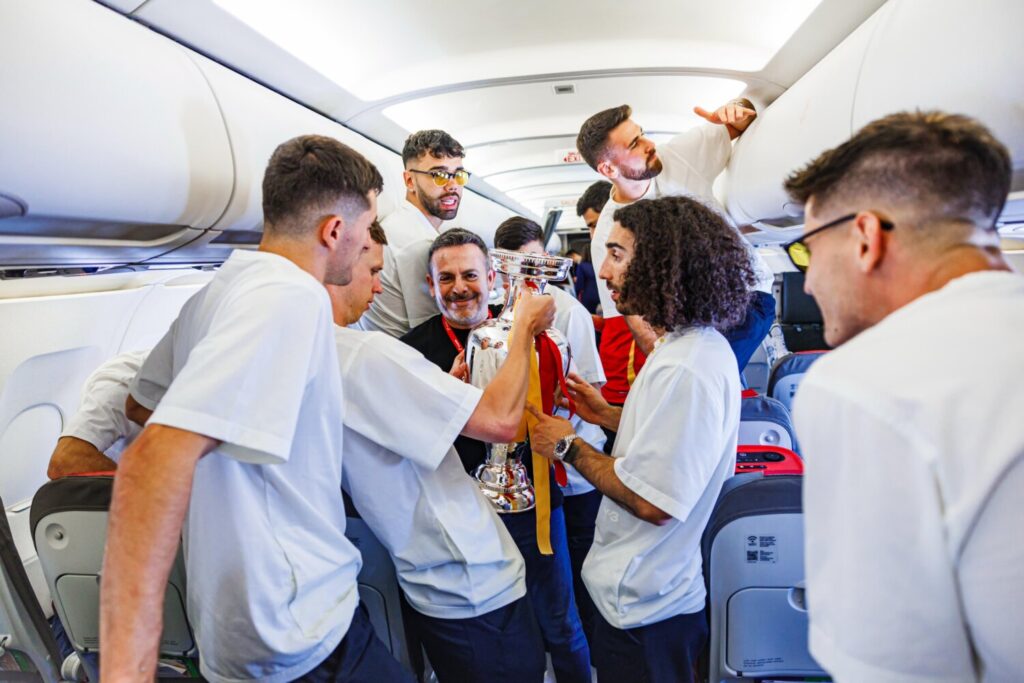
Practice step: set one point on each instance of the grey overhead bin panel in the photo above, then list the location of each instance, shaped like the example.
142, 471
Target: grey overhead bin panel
962, 57
111, 140
955, 56
813, 115
257, 121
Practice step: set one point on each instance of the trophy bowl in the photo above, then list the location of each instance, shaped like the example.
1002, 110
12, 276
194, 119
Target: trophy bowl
503, 477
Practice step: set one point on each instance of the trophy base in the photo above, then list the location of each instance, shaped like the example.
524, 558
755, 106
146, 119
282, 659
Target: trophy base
507, 487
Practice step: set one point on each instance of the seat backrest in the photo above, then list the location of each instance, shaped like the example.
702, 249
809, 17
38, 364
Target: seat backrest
754, 568
28, 650
69, 526
788, 372
765, 421
799, 315
378, 586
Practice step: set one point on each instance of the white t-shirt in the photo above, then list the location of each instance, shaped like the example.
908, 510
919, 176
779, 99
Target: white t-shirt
454, 557
405, 301
251, 361
675, 447
573, 320
907, 430
406, 225
100, 418
690, 163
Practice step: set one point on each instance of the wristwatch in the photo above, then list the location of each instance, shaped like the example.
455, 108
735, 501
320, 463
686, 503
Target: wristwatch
564, 447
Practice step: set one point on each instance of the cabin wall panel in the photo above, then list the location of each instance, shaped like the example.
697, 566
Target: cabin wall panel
51, 344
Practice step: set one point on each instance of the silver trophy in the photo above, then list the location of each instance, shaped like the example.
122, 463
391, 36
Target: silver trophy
503, 477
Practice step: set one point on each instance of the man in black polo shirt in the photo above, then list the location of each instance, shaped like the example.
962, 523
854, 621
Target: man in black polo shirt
460, 279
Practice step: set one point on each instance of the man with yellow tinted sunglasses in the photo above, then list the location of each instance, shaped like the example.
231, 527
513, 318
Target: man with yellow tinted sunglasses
433, 177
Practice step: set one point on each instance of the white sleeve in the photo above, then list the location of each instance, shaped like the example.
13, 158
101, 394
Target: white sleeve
100, 418
244, 381
574, 321
400, 400
411, 262
677, 444
880, 586
151, 381
990, 580
705, 150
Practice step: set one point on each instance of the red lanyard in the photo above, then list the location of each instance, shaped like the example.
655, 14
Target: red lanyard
451, 333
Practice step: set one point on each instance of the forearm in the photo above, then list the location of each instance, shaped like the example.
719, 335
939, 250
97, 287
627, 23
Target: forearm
500, 410
136, 412
151, 494
599, 470
74, 456
610, 417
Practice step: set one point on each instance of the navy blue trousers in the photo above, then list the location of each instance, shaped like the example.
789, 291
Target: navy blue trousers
549, 587
580, 515
665, 652
502, 645
360, 658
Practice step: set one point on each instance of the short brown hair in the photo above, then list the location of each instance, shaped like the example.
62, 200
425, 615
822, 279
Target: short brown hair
594, 197
436, 143
943, 166
457, 237
690, 268
592, 141
515, 232
306, 176
377, 234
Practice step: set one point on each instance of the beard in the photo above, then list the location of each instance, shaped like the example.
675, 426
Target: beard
465, 317
651, 170
434, 207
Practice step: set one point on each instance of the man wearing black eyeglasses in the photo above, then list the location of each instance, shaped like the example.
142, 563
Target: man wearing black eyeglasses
434, 177
912, 426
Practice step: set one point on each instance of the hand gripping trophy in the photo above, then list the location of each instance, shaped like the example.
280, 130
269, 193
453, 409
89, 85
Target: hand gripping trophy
503, 477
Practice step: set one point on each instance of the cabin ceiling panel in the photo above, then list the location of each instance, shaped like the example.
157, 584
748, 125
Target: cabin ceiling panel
486, 70
433, 46
663, 103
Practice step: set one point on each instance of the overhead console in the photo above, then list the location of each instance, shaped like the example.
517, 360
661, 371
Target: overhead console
911, 54
120, 146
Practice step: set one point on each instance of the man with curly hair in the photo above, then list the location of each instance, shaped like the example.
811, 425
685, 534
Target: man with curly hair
678, 264
615, 146
434, 176
912, 425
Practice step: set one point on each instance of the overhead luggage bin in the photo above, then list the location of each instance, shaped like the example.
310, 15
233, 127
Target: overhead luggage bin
911, 54
811, 116
958, 57
114, 149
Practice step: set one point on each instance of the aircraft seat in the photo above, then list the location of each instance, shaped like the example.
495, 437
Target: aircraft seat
378, 587
765, 421
69, 527
753, 549
799, 315
28, 651
788, 372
